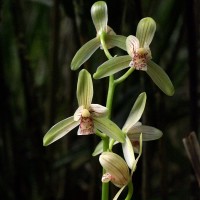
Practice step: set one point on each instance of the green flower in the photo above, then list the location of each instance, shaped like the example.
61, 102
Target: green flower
133, 129
116, 169
104, 32
88, 116
139, 58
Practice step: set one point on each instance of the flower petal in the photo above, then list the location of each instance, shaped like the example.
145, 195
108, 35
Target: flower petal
136, 112
98, 149
160, 78
115, 41
140, 153
119, 192
59, 130
145, 31
132, 44
148, 133
109, 128
84, 53
112, 66
98, 110
128, 152
99, 15
116, 167
77, 114
84, 89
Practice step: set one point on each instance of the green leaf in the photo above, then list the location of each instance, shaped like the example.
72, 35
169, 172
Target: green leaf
160, 78
59, 130
136, 112
98, 149
148, 133
84, 89
109, 128
84, 53
112, 66
145, 31
116, 41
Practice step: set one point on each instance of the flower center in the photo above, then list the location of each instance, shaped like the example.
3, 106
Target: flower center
140, 59
85, 113
86, 123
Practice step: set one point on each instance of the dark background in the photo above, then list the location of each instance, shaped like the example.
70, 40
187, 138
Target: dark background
38, 39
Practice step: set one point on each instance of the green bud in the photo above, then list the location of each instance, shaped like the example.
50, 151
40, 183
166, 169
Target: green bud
145, 31
116, 169
100, 16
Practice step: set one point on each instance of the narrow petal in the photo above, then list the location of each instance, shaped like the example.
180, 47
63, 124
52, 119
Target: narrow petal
98, 110
136, 112
59, 130
98, 149
116, 41
160, 78
112, 66
109, 128
140, 153
148, 133
145, 31
84, 53
128, 152
119, 192
132, 44
99, 15
77, 114
84, 89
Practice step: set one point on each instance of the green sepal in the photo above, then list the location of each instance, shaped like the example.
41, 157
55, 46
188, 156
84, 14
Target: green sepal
84, 89
112, 66
136, 112
99, 13
145, 31
98, 149
148, 133
84, 53
160, 78
59, 130
108, 127
116, 41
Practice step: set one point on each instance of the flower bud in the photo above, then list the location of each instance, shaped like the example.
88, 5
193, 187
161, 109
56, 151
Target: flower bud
99, 16
116, 169
145, 31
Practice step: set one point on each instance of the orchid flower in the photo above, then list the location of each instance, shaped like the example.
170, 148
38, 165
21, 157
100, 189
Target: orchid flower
90, 117
138, 58
105, 34
117, 170
133, 129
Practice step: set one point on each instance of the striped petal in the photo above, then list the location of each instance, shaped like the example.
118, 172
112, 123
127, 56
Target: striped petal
136, 112
160, 78
112, 66
84, 89
59, 130
84, 53
109, 128
99, 15
145, 31
98, 110
148, 133
132, 44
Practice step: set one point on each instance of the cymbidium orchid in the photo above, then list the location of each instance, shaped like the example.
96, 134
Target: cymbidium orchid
105, 36
139, 58
88, 116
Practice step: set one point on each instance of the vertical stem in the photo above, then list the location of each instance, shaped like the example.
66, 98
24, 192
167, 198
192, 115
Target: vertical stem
130, 191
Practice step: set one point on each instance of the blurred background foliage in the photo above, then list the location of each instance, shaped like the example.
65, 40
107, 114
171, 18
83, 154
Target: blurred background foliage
38, 39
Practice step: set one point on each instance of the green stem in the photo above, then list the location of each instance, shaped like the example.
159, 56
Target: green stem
130, 191
122, 78
111, 88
